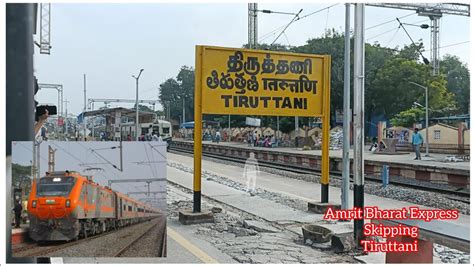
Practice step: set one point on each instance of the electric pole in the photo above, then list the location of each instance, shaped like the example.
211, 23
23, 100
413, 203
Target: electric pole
85, 109
252, 26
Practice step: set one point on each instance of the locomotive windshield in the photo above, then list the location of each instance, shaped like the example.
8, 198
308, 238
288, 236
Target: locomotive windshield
55, 185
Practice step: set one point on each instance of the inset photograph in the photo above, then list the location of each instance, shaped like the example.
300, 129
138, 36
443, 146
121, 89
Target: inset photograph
89, 199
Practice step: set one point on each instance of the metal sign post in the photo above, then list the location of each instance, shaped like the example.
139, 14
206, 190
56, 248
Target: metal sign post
325, 138
255, 82
347, 114
197, 131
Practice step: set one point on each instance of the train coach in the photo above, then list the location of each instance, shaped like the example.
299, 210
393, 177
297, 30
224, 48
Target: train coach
65, 205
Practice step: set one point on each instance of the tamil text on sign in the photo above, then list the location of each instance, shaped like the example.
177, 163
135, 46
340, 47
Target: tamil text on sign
255, 82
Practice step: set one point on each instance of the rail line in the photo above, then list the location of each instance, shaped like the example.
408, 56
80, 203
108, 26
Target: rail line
161, 248
464, 195
56, 247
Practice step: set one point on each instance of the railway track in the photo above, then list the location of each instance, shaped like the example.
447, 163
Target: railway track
161, 248
455, 194
44, 250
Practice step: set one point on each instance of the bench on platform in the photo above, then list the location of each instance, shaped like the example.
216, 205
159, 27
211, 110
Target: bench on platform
436, 231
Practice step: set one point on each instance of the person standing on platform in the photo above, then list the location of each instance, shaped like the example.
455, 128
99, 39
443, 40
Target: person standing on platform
251, 171
218, 136
417, 142
17, 209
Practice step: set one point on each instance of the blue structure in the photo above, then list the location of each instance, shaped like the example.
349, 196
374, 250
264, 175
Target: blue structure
187, 125
372, 125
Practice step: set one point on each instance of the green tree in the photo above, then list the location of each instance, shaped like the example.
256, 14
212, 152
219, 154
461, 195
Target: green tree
174, 91
21, 175
393, 93
408, 117
458, 78
331, 43
185, 80
170, 97
411, 52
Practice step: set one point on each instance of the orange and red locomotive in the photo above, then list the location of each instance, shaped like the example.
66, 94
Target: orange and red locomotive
65, 205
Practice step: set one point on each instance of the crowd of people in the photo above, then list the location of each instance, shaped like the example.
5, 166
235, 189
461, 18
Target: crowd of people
255, 140
147, 137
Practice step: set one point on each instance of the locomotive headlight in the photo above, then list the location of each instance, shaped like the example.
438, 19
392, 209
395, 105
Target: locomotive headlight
33, 204
68, 203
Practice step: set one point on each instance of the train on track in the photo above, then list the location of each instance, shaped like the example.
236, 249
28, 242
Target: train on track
65, 205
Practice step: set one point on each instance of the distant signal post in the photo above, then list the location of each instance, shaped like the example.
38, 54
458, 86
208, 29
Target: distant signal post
232, 81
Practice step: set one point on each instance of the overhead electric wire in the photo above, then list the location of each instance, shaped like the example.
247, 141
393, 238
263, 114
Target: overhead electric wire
383, 23
283, 31
273, 32
107, 164
424, 58
30, 150
449, 45
103, 158
149, 165
393, 37
73, 156
261, 38
315, 12
380, 34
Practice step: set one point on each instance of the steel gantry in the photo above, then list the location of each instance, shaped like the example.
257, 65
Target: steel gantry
252, 26
45, 28
91, 102
434, 11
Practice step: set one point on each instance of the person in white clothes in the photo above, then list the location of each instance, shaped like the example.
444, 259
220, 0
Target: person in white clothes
251, 171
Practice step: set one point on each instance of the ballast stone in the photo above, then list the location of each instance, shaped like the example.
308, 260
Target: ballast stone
260, 226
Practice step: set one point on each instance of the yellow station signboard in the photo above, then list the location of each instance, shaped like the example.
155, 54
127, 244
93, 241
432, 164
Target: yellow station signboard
259, 82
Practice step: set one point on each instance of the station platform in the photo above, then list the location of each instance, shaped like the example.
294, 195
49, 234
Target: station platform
432, 169
20, 235
271, 209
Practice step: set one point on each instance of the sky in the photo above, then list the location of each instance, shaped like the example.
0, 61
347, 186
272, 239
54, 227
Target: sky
139, 161
111, 42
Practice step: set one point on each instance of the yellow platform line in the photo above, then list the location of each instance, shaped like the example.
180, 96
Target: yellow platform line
203, 256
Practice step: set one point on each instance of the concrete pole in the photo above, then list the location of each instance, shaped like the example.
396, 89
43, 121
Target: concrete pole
59, 114
427, 124
347, 114
228, 137
38, 159
85, 109
62, 106
426, 116
137, 122
359, 54
297, 130
184, 111
93, 121
65, 120
278, 127
136, 111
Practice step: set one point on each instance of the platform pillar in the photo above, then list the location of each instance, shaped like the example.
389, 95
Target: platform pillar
325, 138
197, 133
